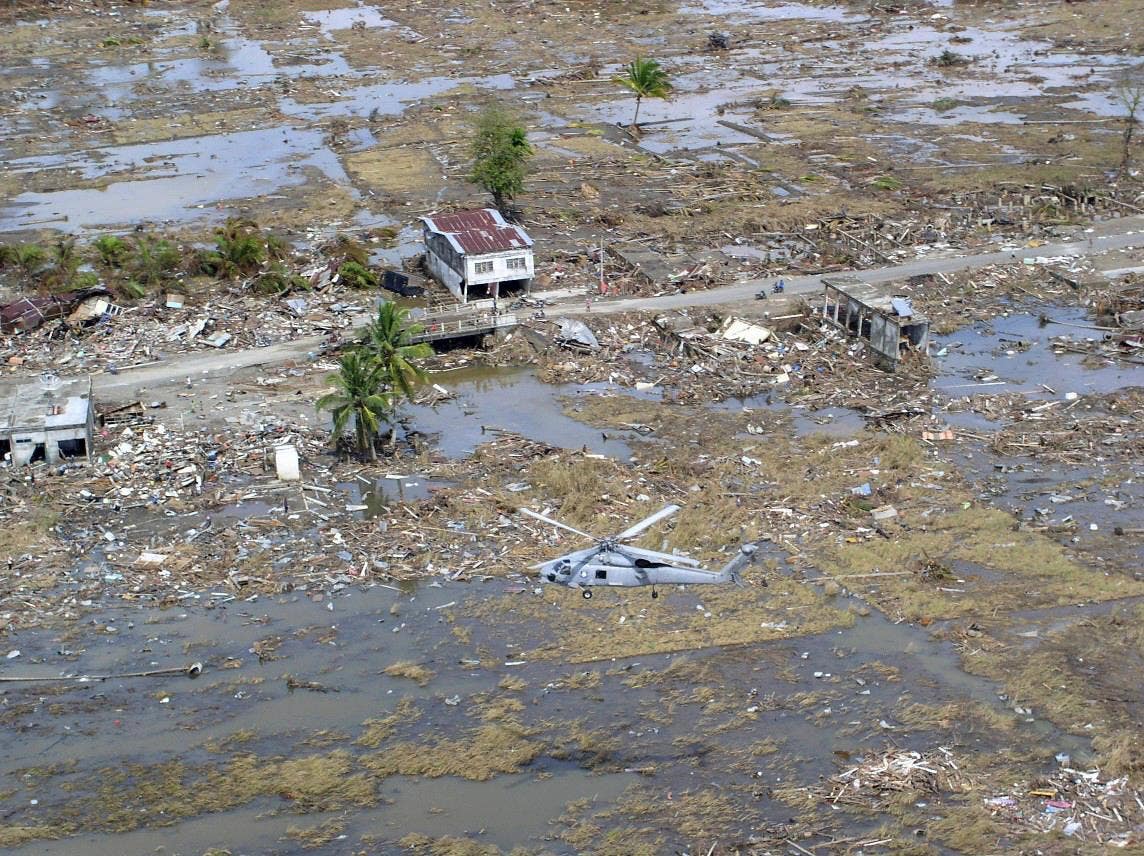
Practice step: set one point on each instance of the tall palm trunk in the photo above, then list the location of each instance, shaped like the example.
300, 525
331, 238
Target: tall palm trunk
364, 442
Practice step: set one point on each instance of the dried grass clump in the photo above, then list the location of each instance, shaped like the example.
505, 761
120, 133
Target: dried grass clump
14, 836
968, 829
316, 836
125, 798
962, 717
512, 683
413, 671
1121, 754
21, 538
501, 747
377, 731
447, 845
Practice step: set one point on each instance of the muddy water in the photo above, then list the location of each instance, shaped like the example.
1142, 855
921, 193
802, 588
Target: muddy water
177, 180
185, 182
343, 639
507, 811
351, 635
1005, 72
492, 400
758, 11
1015, 354
379, 494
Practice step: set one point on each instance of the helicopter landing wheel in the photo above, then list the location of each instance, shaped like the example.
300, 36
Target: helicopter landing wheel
587, 593
654, 594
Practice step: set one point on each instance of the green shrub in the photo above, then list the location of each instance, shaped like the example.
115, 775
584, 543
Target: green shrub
111, 251
355, 275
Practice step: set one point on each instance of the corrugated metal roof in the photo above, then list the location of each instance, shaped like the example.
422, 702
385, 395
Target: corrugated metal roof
478, 232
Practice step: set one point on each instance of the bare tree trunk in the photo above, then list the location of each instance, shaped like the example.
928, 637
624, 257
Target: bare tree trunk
1129, 129
636, 120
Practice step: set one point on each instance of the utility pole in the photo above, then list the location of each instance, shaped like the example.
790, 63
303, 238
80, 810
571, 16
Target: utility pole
603, 284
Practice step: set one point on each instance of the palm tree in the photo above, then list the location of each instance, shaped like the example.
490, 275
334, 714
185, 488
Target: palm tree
646, 79
30, 259
153, 260
65, 264
389, 339
240, 248
359, 396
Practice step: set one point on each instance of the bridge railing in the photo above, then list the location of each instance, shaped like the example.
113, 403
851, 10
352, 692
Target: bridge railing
471, 326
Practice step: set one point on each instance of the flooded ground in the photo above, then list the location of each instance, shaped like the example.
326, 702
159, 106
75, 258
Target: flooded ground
381, 672
501, 713
176, 116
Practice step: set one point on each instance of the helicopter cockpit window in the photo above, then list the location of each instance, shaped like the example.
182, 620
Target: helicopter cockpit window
601, 575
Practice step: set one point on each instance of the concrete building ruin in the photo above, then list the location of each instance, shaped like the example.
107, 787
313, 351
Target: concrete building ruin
478, 254
46, 421
873, 313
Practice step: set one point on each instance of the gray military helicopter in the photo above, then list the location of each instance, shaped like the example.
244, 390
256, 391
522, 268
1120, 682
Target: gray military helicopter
612, 563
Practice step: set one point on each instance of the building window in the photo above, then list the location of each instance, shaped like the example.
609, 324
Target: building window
517, 264
483, 267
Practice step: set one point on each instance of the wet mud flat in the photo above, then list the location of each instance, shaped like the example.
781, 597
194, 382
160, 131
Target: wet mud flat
963, 680
311, 117
379, 673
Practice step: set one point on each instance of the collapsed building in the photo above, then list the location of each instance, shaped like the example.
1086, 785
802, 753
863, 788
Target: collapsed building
874, 314
46, 421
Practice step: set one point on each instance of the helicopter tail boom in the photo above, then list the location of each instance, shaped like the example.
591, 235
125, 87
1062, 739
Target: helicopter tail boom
744, 557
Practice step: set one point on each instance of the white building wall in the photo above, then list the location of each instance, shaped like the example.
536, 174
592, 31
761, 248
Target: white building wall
500, 271
444, 274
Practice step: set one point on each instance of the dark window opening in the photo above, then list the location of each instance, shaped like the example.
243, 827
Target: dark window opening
72, 448
601, 575
480, 291
514, 286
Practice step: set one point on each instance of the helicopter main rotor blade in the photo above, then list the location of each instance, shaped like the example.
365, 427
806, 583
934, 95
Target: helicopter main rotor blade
576, 556
552, 522
633, 531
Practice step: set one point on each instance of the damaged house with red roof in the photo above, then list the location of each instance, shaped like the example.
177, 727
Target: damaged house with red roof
478, 254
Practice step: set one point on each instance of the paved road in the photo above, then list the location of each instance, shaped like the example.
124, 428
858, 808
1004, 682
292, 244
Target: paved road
1114, 235
1117, 234
136, 382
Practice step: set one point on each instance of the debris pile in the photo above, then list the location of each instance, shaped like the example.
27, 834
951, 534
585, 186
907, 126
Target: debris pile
705, 361
1081, 804
1080, 429
874, 782
171, 325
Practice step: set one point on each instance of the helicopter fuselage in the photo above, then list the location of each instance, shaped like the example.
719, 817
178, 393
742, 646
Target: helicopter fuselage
614, 562
627, 567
